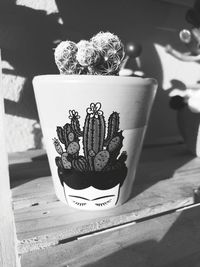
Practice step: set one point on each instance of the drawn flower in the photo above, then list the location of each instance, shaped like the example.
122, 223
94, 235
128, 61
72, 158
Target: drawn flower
73, 114
94, 110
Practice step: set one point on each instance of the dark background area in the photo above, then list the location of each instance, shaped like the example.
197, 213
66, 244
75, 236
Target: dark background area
28, 37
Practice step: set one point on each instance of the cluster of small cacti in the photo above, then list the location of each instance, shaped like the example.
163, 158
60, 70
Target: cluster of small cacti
103, 54
100, 153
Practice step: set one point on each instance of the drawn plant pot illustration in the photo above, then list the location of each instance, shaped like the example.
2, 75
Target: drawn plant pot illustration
189, 127
93, 129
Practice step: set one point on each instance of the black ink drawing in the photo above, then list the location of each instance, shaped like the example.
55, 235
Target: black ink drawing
102, 166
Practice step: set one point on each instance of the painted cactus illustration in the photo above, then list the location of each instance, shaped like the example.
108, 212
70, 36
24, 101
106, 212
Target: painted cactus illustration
113, 126
101, 152
93, 133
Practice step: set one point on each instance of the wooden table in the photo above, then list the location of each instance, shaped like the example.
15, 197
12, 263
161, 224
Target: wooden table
158, 226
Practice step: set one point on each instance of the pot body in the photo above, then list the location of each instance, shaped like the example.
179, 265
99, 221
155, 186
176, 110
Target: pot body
93, 129
189, 126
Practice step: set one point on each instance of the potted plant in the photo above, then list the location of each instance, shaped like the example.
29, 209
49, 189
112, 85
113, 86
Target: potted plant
93, 121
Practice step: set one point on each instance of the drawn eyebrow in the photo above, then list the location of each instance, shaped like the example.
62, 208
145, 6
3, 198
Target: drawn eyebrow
103, 197
79, 197
92, 199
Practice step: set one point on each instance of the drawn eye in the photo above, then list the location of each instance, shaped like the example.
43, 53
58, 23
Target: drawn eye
79, 203
103, 203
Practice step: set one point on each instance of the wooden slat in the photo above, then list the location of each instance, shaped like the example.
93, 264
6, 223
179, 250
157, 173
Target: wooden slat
8, 255
167, 241
26, 156
163, 183
27, 166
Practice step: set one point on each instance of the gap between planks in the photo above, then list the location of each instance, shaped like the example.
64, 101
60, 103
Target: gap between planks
168, 240
63, 236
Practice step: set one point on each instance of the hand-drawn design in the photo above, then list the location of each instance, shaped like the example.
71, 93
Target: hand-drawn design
101, 168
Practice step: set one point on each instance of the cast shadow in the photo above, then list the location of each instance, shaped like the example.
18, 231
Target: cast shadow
155, 166
28, 36
163, 165
27, 40
21, 173
168, 241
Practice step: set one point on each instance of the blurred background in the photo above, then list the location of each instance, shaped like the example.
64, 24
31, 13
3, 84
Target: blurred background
29, 31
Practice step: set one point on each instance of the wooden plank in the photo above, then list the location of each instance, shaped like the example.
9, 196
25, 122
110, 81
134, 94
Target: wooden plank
166, 241
50, 222
165, 162
27, 166
26, 156
8, 255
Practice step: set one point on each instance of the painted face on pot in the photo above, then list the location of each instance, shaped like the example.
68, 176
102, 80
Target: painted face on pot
91, 198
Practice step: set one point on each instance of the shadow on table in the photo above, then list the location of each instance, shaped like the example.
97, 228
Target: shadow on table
160, 163
24, 172
168, 241
155, 164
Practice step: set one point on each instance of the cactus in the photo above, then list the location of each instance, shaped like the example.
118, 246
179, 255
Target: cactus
75, 125
111, 52
65, 162
60, 134
115, 143
100, 154
71, 137
65, 58
117, 163
114, 146
80, 164
73, 148
94, 132
57, 146
63, 132
123, 157
59, 162
113, 126
101, 159
66, 135
103, 54
87, 54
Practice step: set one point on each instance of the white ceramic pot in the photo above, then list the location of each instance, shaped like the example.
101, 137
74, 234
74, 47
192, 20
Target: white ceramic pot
93, 129
189, 126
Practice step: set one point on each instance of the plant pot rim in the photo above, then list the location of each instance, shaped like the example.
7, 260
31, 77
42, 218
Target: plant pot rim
58, 78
